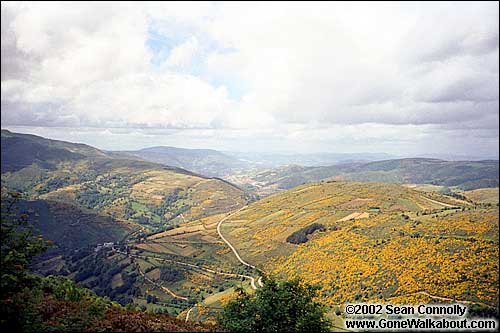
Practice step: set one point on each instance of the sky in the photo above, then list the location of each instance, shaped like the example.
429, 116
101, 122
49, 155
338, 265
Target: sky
342, 77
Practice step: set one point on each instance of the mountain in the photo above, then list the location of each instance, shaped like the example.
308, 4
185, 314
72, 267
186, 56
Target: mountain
22, 150
207, 162
266, 173
214, 163
465, 175
125, 188
373, 242
96, 205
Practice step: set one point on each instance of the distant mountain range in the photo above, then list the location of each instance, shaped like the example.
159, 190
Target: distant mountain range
208, 162
261, 172
269, 172
465, 175
213, 163
312, 159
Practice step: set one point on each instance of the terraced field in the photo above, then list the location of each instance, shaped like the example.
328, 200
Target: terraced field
188, 267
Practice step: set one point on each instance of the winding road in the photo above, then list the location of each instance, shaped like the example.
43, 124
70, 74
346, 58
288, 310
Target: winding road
227, 242
252, 281
188, 313
440, 298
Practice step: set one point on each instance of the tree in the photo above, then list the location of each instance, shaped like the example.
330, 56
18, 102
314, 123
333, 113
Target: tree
18, 245
300, 236
287, 306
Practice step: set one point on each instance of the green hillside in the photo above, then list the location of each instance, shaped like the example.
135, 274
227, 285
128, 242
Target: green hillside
30, 303
150, 194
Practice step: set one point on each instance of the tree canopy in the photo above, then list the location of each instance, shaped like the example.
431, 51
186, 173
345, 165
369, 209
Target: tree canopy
279, 306
19, 244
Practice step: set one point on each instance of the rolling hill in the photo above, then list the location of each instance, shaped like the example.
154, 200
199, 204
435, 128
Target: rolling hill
464, 175
373, 242
151, 194
307, 159
214, 163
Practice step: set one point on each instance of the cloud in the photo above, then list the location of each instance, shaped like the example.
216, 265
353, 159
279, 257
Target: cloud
453, 30
182, 54
346, 63
254, 67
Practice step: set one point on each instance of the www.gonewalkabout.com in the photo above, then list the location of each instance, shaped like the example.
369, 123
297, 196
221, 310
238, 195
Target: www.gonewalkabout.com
422, 317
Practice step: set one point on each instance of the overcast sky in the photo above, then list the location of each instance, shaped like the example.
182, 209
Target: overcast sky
400, 78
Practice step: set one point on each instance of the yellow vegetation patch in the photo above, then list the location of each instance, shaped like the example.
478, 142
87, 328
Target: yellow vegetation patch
184, 229
426, 245
67, 193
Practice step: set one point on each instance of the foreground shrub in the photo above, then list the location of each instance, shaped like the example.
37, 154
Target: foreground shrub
280, 306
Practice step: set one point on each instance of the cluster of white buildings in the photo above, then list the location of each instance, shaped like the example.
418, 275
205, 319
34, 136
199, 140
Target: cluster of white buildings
103, 246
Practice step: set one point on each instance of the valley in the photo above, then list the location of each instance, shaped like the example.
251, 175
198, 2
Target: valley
173, 241
243, 167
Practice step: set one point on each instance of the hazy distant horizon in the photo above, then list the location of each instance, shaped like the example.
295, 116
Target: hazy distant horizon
101, 146
407, 79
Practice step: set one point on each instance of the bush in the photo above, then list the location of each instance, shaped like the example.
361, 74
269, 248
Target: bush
170, 274
285, 306
300, 236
